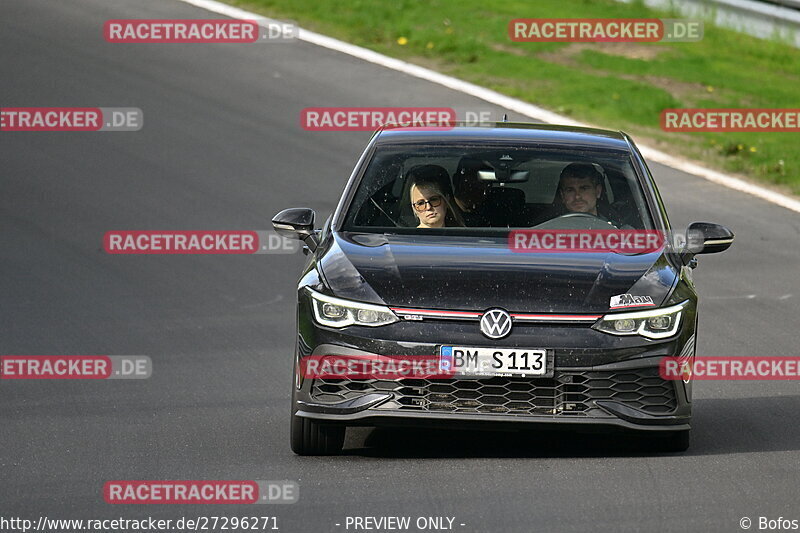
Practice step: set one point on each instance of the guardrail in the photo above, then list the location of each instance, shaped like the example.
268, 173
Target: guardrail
794, 4
764, 19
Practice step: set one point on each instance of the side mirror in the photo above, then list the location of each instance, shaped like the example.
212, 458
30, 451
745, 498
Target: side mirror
706, 238
297, 222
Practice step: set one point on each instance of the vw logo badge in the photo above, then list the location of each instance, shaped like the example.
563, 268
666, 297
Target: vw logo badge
496, 323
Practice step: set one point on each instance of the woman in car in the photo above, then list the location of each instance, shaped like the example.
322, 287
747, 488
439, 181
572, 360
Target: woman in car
431, 197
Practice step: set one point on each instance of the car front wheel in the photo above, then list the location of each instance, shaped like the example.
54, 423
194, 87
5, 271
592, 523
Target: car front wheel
310, 437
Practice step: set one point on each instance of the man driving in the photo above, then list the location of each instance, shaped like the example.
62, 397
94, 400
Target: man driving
580, 187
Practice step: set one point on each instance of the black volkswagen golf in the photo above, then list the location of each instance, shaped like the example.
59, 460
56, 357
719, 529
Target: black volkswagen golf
477, 247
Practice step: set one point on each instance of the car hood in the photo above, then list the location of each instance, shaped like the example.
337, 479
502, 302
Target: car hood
476, 273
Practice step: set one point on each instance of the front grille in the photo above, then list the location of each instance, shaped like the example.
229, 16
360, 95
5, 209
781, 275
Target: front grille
568, 394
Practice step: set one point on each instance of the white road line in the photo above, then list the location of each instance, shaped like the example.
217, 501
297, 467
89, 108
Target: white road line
506, 102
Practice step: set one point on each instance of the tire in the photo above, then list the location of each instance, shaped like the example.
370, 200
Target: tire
309, 437
672, 442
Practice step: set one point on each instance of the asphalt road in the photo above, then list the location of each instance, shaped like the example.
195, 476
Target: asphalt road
221, 148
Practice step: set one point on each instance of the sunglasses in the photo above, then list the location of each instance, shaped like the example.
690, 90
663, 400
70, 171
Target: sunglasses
421, 205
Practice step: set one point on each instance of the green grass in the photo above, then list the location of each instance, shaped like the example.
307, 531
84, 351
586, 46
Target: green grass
607, 85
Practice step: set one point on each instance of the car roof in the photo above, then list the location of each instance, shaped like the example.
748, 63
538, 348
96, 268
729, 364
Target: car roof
551, 134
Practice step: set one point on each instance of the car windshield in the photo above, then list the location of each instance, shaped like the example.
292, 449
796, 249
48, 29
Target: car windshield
481, 189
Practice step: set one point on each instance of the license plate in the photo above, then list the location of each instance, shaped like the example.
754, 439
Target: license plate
504, 362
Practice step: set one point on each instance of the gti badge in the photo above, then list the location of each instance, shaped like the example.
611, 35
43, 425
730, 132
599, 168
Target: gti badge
496, 323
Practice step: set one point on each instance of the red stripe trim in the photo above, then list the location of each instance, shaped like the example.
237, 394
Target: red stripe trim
432, 312
556, 317
472, 314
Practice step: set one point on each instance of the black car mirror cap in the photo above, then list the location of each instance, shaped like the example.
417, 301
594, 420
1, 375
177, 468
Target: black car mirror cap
706, 238
297, 222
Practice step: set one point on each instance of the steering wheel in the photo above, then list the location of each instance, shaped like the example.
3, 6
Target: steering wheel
576, 221
577, 214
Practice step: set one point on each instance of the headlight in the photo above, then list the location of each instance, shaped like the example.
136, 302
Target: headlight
653, 324
338, 313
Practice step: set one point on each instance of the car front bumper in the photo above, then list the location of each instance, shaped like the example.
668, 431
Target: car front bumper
598, 381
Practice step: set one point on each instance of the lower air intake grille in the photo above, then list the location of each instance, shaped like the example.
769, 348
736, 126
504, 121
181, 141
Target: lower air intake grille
569, 394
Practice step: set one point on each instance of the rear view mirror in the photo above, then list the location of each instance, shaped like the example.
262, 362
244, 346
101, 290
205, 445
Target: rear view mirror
503, 175
706, 238
297, 222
